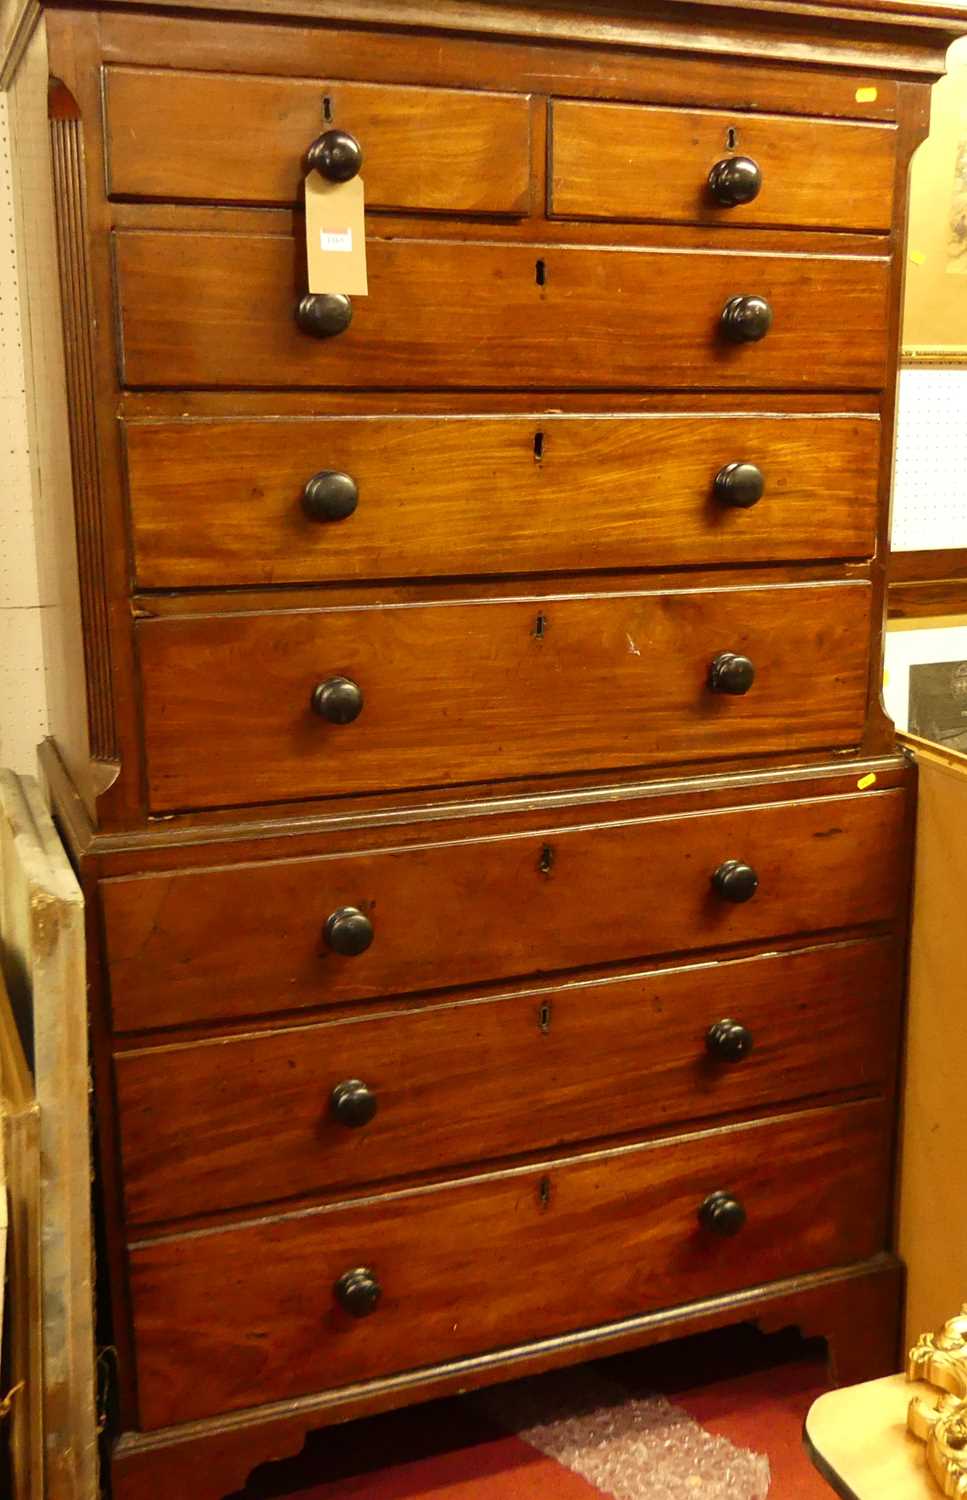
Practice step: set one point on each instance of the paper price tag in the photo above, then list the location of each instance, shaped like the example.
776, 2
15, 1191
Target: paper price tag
336, 236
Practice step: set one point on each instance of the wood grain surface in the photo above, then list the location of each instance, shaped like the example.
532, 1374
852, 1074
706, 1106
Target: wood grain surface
615, 161
246, 939
219, 310
230, 139
476, 1079
220, 502
470, 691
228, 1318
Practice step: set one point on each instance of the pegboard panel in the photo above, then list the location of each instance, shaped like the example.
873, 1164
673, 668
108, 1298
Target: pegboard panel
930, 484
22, 688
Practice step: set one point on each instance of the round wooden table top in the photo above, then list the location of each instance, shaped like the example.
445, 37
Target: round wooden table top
857, 1438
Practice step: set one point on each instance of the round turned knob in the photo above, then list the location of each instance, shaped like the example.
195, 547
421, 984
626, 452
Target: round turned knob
740, 484
352, 1102
722, 1214
746, 320
330, 495
734, 180
728, 1041
358, 1291
348, 931
324, 314
735, 880
731, 673
340, 700
336, 155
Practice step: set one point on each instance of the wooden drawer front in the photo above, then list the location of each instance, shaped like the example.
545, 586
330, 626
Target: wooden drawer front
616, 161
221, 502
455, 693
248, 939
234, 1317
478, 1079
219, 310
243, 140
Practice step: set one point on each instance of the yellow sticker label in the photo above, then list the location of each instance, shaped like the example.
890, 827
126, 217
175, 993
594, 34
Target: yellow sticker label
336, 236
866, 781
918, 257
866, 96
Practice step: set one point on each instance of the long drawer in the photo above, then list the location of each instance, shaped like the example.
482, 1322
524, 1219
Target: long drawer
245, 939
219, 310
232, 1317
449, 693
628, 161
224, 502
358, 1101
243, 140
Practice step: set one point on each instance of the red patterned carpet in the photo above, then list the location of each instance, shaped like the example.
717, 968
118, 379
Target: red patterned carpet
739, 1386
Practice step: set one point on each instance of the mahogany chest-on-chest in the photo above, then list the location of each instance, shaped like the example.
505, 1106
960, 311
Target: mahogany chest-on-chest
465, 697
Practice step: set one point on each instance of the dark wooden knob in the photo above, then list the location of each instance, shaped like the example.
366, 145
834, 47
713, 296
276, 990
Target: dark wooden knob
739, 484
351, 1101
722, 1214
728, 1041
340, 700
735, 881
735, 180
746, 320
358, 1291
731, 673
348, 931
324, 314
330, 495
335, 155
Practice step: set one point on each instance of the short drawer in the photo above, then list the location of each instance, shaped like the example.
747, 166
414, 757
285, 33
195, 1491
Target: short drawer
219, 310
245, 939
234, 1317
629, 161
226, 502
229, 139
472, 1080
450, 693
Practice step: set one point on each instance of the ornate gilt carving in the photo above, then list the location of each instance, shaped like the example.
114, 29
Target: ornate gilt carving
941, 1359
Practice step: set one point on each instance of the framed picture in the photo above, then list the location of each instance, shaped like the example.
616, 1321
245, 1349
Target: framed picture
925, 680
935, 306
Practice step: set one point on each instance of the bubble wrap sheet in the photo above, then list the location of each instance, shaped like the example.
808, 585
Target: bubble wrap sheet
631, 1447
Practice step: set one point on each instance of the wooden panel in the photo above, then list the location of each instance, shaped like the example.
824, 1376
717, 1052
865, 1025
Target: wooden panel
934, 1171
920, 601
234, 1317
477, 1079
943, 564
478, 62
244, 939
243, 140
220, 502
218, 309
473, 690
42, 927
613, 161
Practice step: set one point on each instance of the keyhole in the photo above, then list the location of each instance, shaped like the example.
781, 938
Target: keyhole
327, 109
544, 1017
546, 862
540, 627
538, 447
540, 273
544, 1192
731, 138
